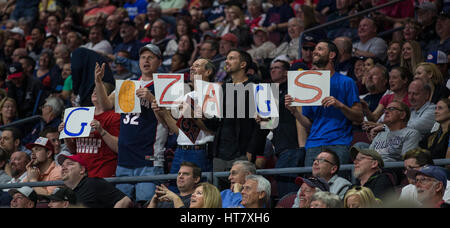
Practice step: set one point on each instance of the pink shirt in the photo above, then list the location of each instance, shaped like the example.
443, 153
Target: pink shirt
388, 98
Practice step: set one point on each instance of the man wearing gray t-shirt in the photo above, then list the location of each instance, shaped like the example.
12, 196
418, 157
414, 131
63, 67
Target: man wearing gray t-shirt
369, 45
394, 142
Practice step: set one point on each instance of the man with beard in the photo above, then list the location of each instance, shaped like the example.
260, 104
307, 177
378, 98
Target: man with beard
431, 182
368, 171
18, 163
238, 138
376, 84
42, 167
336, 114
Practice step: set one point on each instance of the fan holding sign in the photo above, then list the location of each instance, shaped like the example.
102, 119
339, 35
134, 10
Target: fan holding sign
329, 121
193, 136
99, 146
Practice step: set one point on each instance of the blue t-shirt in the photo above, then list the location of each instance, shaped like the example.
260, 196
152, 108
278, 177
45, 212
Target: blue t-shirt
138, 132
139, 7
231, 199
329, 125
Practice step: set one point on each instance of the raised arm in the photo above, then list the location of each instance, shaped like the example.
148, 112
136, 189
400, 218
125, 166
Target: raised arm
105, 102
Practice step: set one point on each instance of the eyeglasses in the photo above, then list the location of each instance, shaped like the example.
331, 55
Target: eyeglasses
393, 108
423, 180
322, 160
358, 159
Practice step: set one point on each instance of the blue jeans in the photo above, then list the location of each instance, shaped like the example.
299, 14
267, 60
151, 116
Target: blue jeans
199, 157
143, 191
29, 13
286, 159
343, 152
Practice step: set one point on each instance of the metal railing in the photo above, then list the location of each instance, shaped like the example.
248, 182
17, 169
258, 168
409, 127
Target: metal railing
22, 121
211, 176
364, 12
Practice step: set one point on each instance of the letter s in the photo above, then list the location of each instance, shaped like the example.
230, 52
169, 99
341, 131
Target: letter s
315, 98
83, 124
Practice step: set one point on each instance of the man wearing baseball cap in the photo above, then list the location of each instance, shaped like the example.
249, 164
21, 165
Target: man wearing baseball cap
42, 167
62, 198
24, 89
24, 197
369, 173
431, 182
309, 186
90, 192
141, 138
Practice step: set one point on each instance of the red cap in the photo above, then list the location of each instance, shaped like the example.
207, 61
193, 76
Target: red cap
75, 157
230, 37
41, 141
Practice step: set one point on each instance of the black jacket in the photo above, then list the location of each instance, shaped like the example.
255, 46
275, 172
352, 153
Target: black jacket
236, 136
83, 73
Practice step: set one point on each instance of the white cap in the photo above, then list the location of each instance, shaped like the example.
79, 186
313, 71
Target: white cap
17, 30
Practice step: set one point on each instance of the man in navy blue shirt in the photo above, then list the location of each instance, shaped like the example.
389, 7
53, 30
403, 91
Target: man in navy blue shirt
130, 44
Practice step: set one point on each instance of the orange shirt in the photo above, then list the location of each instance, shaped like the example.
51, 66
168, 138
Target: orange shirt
53, 173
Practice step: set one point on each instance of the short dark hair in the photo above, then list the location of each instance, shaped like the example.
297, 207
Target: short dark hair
286, 65
422, 156
16, 133
29, 60
47, 130
243, 57
404, 108
332, 48
214, 44
196, 170
335, 158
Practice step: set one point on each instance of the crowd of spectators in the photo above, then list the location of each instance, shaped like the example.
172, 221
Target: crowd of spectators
389, 102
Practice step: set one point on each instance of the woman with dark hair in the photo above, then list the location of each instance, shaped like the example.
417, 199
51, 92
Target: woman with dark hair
394, 52
437, 142
183, 27
399, 78
46, 62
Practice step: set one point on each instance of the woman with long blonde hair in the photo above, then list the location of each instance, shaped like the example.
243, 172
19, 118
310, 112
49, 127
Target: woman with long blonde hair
411, 55
431, 74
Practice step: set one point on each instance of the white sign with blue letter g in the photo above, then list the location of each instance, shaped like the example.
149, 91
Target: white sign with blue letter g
77, 122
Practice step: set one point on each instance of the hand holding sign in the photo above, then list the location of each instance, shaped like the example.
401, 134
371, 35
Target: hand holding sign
309, 88
168, 88
332, 101
126, 98
77, 122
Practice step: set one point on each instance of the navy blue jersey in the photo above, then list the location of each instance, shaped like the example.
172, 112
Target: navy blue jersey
140, 137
